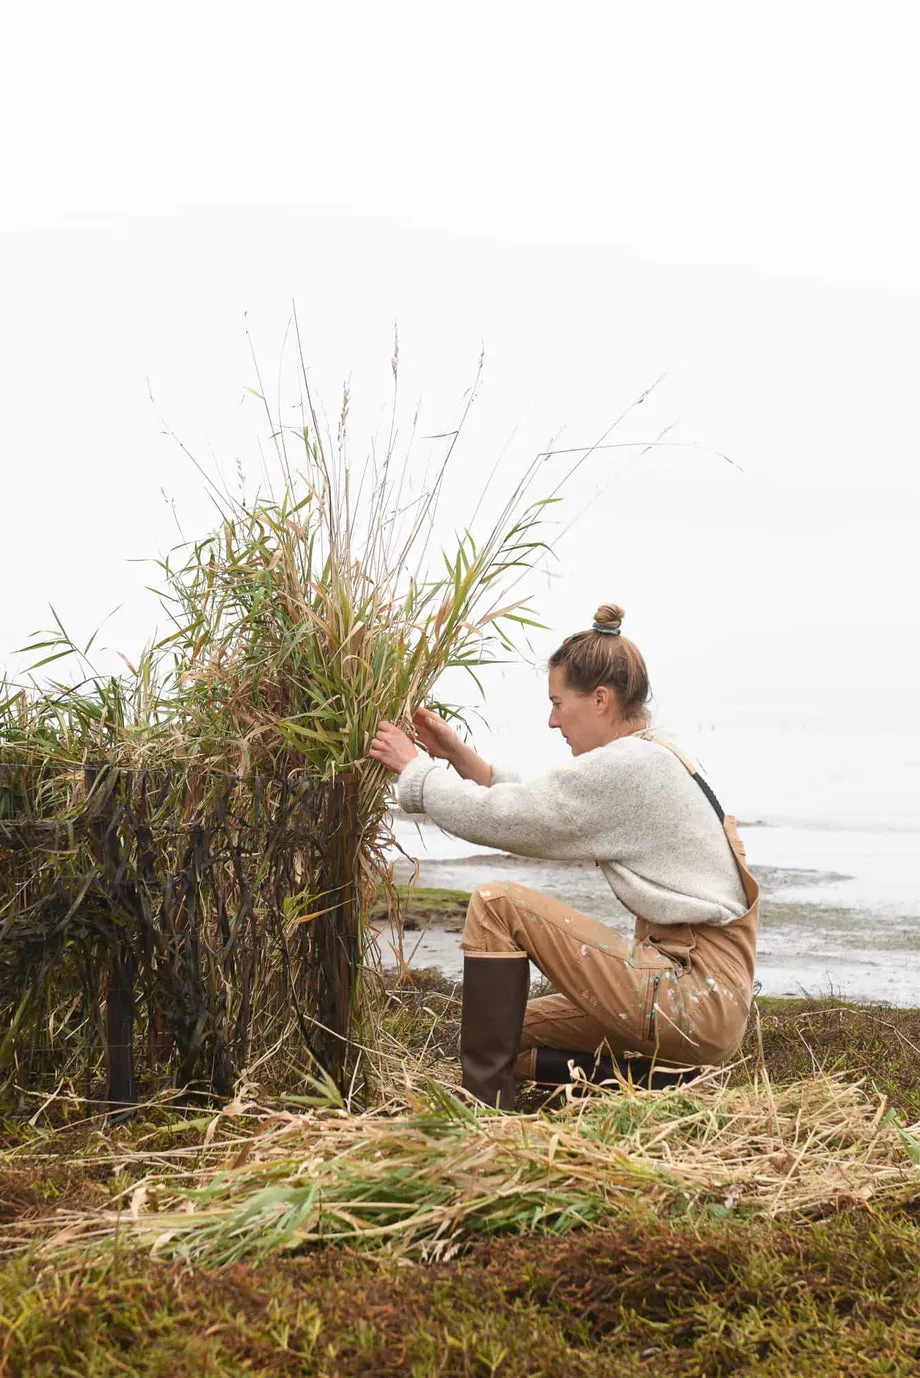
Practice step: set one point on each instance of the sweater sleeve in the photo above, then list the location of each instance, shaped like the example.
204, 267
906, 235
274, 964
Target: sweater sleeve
411, 783
554, 816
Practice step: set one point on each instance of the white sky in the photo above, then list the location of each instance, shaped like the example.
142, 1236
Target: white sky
597, 193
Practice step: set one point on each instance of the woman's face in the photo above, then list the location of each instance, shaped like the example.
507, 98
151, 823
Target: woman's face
586, 721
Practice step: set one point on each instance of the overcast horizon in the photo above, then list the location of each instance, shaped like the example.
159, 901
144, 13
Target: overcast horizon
596, 201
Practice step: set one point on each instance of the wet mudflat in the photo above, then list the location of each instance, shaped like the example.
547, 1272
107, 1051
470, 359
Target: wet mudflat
810, 943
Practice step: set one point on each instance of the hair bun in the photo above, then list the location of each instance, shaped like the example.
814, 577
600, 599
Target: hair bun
609, 615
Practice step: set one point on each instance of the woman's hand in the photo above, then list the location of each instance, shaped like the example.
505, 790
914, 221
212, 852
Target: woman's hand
436, 736
392, 747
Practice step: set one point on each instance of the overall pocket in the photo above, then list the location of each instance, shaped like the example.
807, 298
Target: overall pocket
676, 941
669, 1015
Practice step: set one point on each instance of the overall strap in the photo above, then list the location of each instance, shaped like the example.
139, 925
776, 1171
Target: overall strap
749, 884
691, 768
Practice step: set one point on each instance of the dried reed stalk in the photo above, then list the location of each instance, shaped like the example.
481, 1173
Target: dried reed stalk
425, 1177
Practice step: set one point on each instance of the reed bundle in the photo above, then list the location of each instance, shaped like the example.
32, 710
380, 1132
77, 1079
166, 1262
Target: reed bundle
155, 849
426, 1177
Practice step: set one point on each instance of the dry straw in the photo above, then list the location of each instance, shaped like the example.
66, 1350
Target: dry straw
426, 1176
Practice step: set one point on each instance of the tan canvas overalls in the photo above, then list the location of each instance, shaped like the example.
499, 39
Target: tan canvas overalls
678, 993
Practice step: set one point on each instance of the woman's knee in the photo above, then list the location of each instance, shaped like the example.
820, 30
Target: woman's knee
489, 892
486, 917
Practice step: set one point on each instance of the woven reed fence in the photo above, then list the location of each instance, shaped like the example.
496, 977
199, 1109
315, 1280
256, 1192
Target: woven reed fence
187, 847
197, 923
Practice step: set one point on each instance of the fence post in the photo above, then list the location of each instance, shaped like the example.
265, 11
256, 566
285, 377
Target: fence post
336, 932
121, 1087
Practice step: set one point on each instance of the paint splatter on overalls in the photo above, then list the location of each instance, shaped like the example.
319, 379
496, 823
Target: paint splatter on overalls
680, 993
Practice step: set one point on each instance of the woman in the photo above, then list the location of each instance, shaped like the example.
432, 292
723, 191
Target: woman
680, 989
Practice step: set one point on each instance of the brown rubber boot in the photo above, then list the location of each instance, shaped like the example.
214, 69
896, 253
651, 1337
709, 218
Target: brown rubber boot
494, 999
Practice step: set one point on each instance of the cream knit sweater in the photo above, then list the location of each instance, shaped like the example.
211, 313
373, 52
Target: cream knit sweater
631, 807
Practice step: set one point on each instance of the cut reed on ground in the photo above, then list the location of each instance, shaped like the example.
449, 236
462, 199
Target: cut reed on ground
428, 1176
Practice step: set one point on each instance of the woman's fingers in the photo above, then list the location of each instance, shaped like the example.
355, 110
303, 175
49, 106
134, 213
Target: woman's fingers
392, 747
435, 735
381, 741
421, 723
428, 722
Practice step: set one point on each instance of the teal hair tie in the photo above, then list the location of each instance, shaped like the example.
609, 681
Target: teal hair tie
606, 631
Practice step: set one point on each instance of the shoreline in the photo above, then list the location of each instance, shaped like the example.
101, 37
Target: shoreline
442, 907
807, 947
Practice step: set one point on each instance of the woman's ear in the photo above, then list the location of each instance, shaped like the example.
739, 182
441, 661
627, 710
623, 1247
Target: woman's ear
603, 698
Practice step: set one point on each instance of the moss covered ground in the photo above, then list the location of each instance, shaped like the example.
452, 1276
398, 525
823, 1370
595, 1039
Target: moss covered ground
425, 906
840, 1297
701, 1294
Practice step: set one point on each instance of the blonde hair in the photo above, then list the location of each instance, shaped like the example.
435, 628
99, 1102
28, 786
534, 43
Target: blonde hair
604, 656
